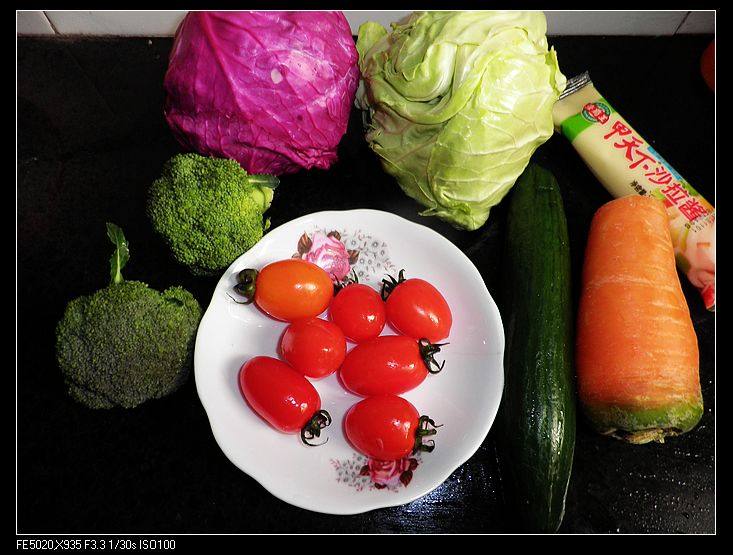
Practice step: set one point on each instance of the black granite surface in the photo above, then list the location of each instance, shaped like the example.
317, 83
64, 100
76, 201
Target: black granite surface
91, 138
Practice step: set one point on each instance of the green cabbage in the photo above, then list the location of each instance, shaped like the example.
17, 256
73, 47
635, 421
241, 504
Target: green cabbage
457, 103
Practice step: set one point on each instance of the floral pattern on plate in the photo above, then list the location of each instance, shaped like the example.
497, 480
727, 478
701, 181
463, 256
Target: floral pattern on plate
340, 252
360, 472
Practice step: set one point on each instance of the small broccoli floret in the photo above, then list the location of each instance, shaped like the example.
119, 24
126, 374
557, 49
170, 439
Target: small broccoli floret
126, 343
209, 210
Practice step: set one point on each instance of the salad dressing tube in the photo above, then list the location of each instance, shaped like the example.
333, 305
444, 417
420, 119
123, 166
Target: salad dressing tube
627, 165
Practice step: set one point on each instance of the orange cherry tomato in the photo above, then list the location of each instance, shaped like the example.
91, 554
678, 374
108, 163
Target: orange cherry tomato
416, 308
359, 311
287, 290
282, 397
387, 428
315, 347
388, 364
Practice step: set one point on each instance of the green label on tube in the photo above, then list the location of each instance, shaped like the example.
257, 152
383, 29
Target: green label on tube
592, 113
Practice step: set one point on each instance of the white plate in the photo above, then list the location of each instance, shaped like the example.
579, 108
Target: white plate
332, 478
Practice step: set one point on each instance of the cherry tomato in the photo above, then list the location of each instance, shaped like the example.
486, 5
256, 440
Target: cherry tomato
707, 65
288, 290
388, 364
416, 308
315, 347
359, 311
283, 397
387, 428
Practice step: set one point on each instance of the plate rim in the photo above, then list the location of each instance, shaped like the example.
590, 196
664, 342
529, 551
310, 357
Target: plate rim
415, 493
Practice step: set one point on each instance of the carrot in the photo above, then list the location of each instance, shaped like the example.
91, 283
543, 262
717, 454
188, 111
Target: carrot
636, 349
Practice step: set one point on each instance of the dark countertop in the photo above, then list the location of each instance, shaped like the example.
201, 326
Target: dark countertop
91, 138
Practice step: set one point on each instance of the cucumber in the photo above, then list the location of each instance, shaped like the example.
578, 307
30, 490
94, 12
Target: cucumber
536, 435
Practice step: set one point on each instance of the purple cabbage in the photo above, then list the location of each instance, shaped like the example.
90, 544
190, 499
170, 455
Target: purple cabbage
272, 90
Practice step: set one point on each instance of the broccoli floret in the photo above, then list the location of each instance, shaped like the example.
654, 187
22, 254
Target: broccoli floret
209, 210
126, 343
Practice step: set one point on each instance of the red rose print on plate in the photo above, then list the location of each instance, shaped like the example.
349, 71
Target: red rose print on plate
328, 252
362, 473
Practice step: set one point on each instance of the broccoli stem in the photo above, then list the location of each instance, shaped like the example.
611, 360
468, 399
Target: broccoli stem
263, 180
120, 256
263, 188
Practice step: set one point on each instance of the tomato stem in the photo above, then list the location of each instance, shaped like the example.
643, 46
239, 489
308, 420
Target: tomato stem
313, 428
246, 282
348, 280
389, 283
428, 351
425, 427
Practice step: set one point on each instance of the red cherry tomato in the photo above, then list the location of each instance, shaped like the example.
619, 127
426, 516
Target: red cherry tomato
288, 290
283, 397
315, 347
416, 308
359, 311
387, 428
388, 364
707, 65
